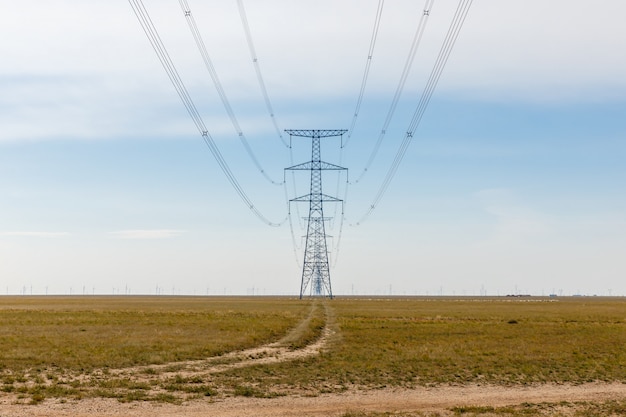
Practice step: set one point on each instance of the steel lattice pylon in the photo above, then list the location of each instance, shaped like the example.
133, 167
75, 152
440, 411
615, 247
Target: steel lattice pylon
315, 267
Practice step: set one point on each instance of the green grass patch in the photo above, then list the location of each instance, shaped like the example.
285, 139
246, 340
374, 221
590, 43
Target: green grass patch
251, 391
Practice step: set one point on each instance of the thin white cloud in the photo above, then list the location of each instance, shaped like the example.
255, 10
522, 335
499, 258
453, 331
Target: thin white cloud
34, 234
146, 234
507, 50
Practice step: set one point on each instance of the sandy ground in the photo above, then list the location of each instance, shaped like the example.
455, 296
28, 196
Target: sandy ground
439, 399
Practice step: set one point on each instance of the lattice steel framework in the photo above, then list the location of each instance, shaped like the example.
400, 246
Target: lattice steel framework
315, 266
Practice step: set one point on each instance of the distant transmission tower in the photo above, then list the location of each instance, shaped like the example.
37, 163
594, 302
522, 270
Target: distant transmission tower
315, 269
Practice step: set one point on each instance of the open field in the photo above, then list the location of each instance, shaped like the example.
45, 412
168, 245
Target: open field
87, 333
553, 356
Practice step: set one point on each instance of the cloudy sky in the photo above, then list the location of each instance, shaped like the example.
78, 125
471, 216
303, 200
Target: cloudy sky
514, 182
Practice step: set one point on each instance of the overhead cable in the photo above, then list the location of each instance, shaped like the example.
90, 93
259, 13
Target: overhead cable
257, 69
193, 27
293, 236
433, 79
347, 183
266, 97
337, 246
368, 63
163, 56
405, 73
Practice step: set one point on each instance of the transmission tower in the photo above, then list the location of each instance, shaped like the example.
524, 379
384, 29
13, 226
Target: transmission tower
315, 271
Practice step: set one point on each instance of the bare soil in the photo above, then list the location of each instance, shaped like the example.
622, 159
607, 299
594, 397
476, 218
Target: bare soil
439, 399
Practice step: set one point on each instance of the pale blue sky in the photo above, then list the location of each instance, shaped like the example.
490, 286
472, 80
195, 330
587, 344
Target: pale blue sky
514, 181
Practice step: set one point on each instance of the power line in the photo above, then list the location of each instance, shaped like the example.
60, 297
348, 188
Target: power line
433, 79
337, 246
405, 73
266, 98
257, 69
193, 27
295, 192
368, 63
159, 48
293, 236
181, 90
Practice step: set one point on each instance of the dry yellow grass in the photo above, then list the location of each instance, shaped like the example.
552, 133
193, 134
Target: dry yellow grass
425, 341
86, 333
63, 346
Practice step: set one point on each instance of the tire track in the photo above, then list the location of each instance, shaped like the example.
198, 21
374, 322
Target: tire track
270, 353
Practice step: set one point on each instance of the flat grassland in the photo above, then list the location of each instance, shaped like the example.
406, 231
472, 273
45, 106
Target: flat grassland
180, 349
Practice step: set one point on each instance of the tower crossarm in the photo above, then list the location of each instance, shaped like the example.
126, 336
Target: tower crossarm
324, 219
316, 197
328, 166
315, 133
307, 166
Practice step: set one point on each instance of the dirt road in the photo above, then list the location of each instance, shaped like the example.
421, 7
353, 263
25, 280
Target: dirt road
439, 399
